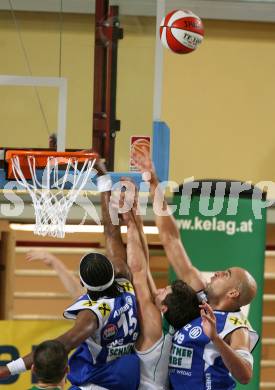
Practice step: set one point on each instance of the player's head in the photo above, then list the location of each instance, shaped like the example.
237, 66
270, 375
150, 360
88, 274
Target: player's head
50, 363
233, 288
97, 274
179, 303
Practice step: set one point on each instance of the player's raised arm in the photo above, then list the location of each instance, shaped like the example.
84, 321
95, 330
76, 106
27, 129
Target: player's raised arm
149, 315
69, 281
115, 249
168, 230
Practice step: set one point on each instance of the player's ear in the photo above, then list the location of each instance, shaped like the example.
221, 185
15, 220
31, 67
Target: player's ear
164, 308
233, 293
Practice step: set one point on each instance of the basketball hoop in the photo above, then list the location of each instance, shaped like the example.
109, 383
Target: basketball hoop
62, 175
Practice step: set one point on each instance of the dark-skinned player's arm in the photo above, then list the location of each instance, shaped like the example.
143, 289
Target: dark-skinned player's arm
149, 315
234, 350
85, 325
119, 202
168, 231
115, 249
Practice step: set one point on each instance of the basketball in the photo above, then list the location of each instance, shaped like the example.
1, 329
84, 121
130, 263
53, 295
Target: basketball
181, 31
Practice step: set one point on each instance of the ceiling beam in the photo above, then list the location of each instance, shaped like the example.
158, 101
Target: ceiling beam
242, 10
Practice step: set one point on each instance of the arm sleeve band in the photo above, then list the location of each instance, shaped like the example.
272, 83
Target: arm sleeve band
246, 355
104, 183
16, 366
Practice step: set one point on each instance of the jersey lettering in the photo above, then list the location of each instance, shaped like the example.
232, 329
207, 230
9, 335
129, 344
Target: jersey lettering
181, 357
188, 326
179, 337
117, 351
128, 322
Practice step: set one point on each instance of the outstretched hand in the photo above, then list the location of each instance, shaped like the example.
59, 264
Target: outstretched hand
209, 323
142, 160
124, 200
44, 256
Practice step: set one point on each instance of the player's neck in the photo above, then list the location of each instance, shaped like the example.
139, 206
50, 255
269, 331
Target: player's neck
47, 386
223, 305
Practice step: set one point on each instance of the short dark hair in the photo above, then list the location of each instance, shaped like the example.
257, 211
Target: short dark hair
97, 270
182, 304
50, 360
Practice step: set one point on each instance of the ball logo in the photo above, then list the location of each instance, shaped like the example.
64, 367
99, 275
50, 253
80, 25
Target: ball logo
109, 332
195, 332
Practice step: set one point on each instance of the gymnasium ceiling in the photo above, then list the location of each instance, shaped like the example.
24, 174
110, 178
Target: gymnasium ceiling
253, 10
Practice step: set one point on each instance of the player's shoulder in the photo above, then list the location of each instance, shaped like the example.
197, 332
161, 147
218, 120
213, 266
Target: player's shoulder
80, 303
228, 322
101, 307
237, 319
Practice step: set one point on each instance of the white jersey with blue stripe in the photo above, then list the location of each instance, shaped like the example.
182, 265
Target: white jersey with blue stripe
96, 359
195, 363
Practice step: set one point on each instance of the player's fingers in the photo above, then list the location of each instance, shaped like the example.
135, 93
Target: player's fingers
30, 257
207, 317
208, 309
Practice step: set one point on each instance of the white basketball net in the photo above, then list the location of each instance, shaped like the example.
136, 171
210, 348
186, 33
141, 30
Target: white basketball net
51, 201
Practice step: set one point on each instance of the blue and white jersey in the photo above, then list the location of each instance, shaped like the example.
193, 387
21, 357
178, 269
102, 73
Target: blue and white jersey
101, 359
195, 363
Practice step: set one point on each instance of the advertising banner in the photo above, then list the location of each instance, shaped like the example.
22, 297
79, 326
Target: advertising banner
18, 339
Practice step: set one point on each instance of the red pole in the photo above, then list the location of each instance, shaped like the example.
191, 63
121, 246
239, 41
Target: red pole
105, 124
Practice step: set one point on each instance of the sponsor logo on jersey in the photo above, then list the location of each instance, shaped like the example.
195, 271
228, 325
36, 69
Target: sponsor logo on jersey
181, 357
115, 352
238, 321
110, 331
180, 372
89, 303
195, 332
104, 309
127, 287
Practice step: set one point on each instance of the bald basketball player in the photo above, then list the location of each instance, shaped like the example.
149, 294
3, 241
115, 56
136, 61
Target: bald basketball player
212, 349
